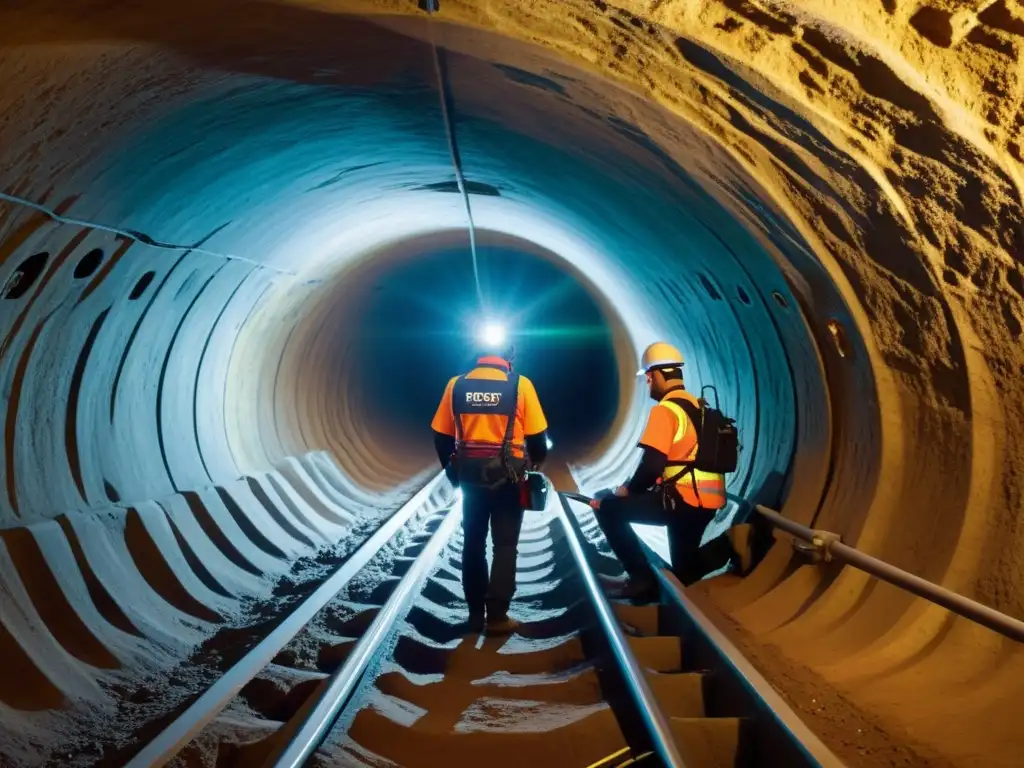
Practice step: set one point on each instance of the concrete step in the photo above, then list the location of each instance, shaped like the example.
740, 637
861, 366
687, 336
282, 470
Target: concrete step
707, 742
659, 653
637, 619
680, 694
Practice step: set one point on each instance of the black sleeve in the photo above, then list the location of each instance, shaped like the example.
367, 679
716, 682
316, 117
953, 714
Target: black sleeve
652, 464
537, 447
445, 446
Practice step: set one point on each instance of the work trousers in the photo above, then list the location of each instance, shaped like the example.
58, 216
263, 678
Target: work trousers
685, 528
501, 510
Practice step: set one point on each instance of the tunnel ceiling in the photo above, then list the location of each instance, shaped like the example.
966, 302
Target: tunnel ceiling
821, 193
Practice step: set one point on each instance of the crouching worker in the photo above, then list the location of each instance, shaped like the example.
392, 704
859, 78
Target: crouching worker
672, 485
488, 430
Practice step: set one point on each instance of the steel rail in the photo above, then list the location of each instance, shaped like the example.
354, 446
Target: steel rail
765, 699
831, 546
654, 721
302, 741
187, 726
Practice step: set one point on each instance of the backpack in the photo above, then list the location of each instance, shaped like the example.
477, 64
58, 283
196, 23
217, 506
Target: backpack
485, 466
718, 444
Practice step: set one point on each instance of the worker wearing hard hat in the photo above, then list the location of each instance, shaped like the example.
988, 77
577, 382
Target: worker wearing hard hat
665, 489
488, 429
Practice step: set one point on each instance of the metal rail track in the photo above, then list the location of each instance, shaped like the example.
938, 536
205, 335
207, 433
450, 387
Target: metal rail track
685, 697
711, 705
304, 736
681, 695
206, 707
339, 700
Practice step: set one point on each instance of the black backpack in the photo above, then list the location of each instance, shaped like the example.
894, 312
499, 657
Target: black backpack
718, 442
493, 465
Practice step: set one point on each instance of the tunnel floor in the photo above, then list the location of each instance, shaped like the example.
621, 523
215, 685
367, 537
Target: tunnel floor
439, 692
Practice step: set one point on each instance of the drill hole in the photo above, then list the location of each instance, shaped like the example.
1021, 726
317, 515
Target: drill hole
89, 263
712, 291
25, 275
141, 286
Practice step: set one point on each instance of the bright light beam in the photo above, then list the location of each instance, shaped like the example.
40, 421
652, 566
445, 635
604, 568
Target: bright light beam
493, 334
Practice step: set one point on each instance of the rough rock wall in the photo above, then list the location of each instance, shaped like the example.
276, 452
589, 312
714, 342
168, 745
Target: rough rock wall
888, 135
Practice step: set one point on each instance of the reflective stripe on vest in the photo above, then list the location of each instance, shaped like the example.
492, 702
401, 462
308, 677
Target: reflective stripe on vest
710, 486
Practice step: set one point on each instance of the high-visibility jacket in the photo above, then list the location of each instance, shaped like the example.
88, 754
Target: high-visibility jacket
670, 431
485, 426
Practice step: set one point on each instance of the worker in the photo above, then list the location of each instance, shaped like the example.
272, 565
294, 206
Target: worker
665, 489
489, 429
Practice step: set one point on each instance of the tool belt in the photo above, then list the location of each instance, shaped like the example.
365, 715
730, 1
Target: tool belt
671, 500
485, 467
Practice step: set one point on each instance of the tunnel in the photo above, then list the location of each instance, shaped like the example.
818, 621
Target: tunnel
243, 247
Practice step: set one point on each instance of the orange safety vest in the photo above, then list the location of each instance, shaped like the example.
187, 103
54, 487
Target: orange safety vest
705, 490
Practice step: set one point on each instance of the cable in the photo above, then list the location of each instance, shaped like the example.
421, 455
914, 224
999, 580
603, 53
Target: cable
440, 68
133, 235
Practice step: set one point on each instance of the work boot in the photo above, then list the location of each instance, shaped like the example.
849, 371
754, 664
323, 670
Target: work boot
638, 589
499, 622
501, 625
612, 582
475, 623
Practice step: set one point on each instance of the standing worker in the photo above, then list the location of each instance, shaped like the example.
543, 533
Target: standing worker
668, 488
488, 430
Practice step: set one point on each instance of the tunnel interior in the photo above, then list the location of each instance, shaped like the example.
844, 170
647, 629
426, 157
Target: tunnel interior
421, 321
211, 245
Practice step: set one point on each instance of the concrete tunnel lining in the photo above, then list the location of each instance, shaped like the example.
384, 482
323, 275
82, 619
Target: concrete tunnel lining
807, 194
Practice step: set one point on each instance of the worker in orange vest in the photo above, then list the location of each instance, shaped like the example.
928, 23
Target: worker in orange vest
489, 429
665, 489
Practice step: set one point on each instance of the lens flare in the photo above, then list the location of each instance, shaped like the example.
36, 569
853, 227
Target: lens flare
493, 334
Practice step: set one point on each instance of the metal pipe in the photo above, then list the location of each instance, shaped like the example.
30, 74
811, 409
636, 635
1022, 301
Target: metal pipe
957, 603
306, 739
654, 720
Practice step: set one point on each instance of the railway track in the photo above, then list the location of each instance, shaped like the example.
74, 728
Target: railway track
386, 673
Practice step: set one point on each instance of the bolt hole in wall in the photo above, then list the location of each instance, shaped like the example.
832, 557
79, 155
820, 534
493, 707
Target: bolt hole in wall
743, 296
141, 286
711, 290
25, 275
89, 263
780, 299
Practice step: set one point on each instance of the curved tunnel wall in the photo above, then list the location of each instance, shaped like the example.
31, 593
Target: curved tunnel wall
231, 146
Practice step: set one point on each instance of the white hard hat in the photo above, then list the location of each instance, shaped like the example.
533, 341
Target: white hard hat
660, 354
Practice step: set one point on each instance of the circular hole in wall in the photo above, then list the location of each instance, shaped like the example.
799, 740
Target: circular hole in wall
780, 299
141, 286
744, 296
838, 335
89, 263
25, 275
